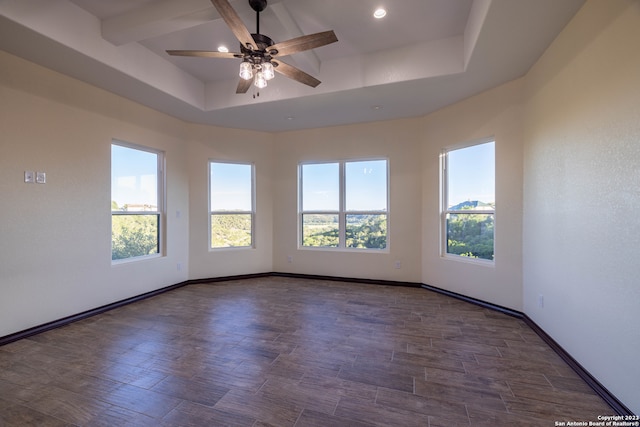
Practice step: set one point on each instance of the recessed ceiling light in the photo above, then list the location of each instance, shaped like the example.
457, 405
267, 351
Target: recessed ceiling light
223, 49
379, 13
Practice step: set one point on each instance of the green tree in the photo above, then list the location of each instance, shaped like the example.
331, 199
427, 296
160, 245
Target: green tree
134, 235
362, 231
230, 230
320, 230
470, 235
366, 231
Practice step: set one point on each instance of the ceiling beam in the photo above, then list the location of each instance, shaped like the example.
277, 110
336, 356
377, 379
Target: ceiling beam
160, 17
307, 59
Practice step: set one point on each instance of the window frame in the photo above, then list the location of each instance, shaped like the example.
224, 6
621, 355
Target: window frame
159, 213
342, 213
251, 212
444, 203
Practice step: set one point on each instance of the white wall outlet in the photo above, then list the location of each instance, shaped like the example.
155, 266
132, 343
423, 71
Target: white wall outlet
29, 177
179, 267
397, 264
41, 177
289, 259
541, 301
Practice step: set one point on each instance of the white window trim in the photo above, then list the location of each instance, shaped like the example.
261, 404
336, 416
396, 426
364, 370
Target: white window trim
342, 213
444, 191
252, 212
161, 202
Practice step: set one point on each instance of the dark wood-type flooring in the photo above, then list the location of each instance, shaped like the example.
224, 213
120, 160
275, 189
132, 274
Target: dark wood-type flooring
292, 352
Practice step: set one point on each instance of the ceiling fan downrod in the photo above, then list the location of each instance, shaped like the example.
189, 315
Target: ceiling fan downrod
258, 6
258, 52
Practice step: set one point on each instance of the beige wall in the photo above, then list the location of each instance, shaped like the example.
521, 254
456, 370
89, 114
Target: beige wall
582, 193
212, 143
398, 141
566, 227
498, 114
55, 238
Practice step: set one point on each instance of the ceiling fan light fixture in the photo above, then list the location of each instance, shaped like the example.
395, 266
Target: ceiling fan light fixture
246, 71
379, 13
267, 70
257, 50
260, 81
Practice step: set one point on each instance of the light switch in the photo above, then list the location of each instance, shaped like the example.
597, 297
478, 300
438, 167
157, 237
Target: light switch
29, 177
41, 177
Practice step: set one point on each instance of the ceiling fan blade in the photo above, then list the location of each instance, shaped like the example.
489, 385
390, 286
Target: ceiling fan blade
295, 73
303, 43
204, 53
234, 23
244, 85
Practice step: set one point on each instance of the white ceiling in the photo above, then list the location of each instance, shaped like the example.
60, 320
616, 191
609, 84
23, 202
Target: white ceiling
425, 54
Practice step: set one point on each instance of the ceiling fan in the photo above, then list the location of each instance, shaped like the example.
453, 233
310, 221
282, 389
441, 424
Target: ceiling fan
259, 54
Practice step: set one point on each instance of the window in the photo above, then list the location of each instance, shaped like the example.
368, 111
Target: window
469, 201
136, 201
344, 204
231, 197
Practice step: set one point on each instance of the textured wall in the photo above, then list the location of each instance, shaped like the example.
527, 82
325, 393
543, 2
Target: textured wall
496, 113
395, 140
55, 238
582, 193
210, 143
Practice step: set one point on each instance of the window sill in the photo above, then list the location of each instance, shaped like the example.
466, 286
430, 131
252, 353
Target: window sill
232, 248
467, 260
140, 258
345, 250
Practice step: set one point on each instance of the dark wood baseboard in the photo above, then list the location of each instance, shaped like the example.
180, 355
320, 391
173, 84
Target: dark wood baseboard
475, 301
347, 279
84, 315
586, 376
602, 391
227, 278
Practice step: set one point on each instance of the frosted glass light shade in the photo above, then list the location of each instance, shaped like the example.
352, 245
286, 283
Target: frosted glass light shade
246, 71
260, 81
267, 70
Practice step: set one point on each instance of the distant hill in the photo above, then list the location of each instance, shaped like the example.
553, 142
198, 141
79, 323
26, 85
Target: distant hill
471, 204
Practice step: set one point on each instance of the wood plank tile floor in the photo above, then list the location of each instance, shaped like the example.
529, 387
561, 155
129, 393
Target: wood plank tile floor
292, 352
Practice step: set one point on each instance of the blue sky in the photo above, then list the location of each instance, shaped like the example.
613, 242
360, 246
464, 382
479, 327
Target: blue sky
472, 174
471, 177
133, 176
230, 187
321, 188
365, 186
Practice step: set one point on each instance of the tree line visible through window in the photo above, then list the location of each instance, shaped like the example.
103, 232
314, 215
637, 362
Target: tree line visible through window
468, 215
344, 204
136, 202
231, 204
341, 204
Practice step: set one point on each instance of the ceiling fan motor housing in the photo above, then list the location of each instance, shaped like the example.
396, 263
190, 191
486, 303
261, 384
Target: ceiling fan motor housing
258, 51
262, 53
258, 5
